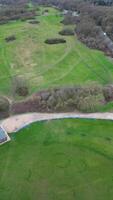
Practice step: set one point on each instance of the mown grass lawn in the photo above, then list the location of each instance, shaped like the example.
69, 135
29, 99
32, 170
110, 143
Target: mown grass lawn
46, 66
61, 160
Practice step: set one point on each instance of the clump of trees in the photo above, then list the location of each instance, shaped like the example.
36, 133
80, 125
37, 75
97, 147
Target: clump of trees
89, 103
69, 19
14, 2
20, 86
66, 32
16, 12
88, 32
94, 27
61, 4
55, 41
85, 99
87, 27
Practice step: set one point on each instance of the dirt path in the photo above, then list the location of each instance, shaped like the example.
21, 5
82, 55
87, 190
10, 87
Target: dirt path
17, 122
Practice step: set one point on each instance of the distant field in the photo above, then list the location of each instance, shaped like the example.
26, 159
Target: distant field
47, 66
60, 160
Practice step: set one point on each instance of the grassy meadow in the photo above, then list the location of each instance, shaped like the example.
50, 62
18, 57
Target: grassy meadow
61, 160
46, 66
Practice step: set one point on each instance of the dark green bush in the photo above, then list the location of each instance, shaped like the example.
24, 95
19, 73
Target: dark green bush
55, 41
4, 107
19, 86
34, 22
67, 32
10, 38
4, 104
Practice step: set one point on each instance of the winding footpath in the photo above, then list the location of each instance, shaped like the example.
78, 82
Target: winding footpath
17, 122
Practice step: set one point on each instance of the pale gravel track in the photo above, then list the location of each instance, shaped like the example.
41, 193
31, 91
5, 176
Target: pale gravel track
17, 122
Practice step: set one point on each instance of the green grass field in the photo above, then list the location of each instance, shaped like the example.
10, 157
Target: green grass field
46, 66
61, 160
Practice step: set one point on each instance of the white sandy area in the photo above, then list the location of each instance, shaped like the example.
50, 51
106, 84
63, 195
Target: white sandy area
16, 122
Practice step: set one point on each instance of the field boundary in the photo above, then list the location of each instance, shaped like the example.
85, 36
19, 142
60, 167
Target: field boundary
18, 122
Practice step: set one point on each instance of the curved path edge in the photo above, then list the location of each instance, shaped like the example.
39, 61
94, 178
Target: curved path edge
17, 122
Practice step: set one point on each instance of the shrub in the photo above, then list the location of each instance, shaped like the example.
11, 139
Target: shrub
66, 32
89, 104
69, 19
55, 41
51, 103
10, 38
108, 93
93, 89
46, 10
20, 86
24, 18
34, 22
4, 107
4, 104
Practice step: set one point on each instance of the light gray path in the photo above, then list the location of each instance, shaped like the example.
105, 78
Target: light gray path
17, 122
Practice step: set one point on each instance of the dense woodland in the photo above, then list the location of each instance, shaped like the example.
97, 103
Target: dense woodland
93, 22
15, 13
